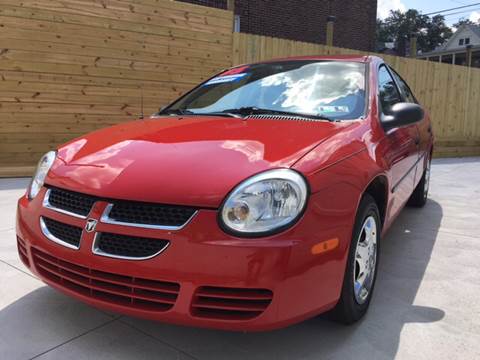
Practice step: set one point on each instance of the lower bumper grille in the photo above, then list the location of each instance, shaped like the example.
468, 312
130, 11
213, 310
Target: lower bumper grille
22, 252
230, 303
138, 293
128, 247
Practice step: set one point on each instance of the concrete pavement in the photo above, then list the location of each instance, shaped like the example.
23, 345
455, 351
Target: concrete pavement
426, 304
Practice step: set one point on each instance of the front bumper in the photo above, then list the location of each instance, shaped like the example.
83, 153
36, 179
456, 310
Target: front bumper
201, 255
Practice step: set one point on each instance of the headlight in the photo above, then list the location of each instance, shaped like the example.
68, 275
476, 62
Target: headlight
265, 203
43, 167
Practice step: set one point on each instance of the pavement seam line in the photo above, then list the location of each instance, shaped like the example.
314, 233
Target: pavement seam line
17, 268
159, 340
74, 338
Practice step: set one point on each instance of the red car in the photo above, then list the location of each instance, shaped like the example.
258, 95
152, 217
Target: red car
253, 202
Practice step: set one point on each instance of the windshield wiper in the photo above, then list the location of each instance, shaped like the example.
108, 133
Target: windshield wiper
244, 112
188, 112
252, 110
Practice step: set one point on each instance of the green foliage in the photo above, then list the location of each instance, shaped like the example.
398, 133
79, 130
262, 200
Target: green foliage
464, 21
399, 26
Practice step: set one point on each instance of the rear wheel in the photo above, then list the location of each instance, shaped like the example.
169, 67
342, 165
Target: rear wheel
420, 194
362, 264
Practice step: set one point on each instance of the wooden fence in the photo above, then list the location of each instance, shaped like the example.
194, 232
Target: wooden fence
71, 66
450, 93
68, 67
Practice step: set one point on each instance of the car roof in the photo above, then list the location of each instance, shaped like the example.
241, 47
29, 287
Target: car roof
356, 58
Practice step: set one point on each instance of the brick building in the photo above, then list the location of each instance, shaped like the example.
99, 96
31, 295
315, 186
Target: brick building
305, 20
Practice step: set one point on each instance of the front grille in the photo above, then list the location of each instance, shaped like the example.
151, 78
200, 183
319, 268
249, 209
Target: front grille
138, 293
122, 212
230, 303
70, 201
57, 231
116, 245
22, 252
150, 214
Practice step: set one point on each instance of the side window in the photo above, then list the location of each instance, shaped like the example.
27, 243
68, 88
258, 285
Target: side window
388, 92
404, 88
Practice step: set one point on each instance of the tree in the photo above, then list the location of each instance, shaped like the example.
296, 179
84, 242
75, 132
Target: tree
437, 33
463, 21
399, 26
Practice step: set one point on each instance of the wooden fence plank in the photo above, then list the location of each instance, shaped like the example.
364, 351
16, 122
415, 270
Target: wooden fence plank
85, 21
84, 11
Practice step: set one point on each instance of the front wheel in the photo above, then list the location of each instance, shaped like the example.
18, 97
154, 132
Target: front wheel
362, 264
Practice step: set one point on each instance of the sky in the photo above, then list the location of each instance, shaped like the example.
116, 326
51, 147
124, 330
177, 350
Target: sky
426, 6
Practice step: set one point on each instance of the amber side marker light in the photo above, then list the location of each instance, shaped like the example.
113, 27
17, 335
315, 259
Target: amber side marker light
325, 246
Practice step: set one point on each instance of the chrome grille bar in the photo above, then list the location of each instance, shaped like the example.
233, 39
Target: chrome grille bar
106, 219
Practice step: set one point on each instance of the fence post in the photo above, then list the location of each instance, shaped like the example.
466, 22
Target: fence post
413, 46
469, 56
330, 25
231, 7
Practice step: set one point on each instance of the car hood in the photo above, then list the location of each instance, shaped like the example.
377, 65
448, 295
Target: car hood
183, 160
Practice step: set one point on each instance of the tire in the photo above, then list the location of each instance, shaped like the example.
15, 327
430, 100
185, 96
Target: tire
420, 194
354, 302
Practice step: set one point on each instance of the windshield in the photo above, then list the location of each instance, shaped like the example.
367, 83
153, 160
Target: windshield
330, 89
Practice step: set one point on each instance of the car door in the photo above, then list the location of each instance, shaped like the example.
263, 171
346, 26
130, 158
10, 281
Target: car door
424, 127
401, 144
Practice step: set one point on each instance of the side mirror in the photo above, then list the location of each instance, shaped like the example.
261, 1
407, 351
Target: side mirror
402, 114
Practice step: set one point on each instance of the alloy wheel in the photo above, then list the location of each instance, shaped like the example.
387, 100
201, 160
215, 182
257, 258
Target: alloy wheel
365, 260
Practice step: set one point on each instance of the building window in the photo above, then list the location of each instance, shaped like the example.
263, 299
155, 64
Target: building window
460, 42
236, 25
467, 41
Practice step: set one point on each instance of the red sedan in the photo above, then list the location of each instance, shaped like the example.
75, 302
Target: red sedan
255, 201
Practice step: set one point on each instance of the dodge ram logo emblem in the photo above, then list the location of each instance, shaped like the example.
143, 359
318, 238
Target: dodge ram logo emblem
90, 225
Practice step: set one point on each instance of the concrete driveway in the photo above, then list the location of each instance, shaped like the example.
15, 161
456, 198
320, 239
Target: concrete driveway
426, 304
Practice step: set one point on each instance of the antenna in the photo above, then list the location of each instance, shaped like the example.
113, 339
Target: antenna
141, 103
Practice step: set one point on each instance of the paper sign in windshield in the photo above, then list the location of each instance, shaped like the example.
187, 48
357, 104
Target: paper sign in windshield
237, 70
225, 79
333, 109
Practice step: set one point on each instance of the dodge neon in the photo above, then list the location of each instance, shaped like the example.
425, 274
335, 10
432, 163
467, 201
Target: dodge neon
255, 201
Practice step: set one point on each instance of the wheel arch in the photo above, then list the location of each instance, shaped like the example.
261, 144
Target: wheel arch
378, 190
